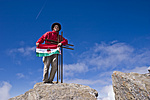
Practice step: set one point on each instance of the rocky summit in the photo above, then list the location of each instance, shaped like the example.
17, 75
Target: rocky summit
131, 86
59, 91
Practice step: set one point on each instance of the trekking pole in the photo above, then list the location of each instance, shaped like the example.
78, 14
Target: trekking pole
59, 65
57, 59
62, 60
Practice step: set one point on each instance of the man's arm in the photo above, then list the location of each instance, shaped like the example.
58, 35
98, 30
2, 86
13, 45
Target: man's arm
41, 39
63, 40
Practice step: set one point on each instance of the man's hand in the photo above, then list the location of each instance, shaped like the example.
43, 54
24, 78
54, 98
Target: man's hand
59, 44
37, 44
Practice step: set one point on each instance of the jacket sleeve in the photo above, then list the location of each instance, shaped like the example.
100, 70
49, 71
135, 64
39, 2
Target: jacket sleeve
42, 38
63, 40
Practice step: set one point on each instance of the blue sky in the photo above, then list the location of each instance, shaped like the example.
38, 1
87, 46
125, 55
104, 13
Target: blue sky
108, 35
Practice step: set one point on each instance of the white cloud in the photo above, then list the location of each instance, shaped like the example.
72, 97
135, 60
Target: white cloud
20, 75
108, 90
115, 41
4, 90
105, 74
29, 50
71, 69
23, 50
16, 53
140, 70
87, 81
110, 56
116, 55
102, 56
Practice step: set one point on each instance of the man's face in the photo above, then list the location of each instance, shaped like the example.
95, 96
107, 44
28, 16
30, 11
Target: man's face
56, 28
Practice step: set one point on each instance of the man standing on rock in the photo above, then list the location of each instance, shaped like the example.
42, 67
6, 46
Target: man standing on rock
47, 60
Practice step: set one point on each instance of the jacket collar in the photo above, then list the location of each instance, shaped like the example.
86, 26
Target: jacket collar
55, 32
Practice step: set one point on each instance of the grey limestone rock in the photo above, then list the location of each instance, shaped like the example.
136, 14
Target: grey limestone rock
59, 91
131, 86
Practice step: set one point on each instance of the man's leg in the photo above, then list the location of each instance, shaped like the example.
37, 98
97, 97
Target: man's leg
53, 67
46, 62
